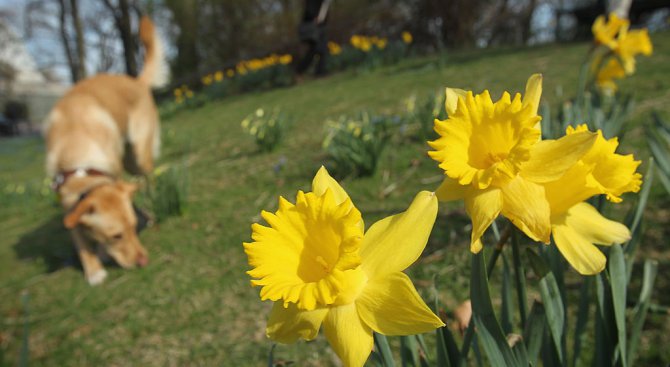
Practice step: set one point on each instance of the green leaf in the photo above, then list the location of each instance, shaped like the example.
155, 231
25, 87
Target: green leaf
507, 316
648, 280
384, 350
534, 331
448, 354
490, 334
617, 273
582, 317
409, 351
551, 297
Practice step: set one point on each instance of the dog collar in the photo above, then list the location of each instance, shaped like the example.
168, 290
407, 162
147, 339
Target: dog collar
61, 177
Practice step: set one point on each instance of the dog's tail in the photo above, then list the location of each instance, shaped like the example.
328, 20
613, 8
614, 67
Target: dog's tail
155, 71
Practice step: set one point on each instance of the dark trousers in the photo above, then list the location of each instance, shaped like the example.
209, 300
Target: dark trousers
315, 48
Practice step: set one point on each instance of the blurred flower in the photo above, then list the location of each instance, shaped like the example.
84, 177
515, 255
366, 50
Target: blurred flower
407, 37
189, 94
607, 74
207, 79
230, 73
493, 158
177, 93
319, 267
285, 59
334, 48
605, 32
575, 224
381, 43
631, 44
626, 44
218, 76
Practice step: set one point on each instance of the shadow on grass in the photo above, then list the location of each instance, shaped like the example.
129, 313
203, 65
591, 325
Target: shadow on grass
49, 243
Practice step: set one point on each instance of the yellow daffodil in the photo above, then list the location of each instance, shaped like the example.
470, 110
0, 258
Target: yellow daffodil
218, 76
605, 32
493, 158
575, 224
626, 44
406, 37
334, 48
608, 73
631, 44
285, 59
315, 262
230, 73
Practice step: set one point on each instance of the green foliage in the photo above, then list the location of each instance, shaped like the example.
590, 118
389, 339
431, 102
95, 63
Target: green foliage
267, 127
658, 138
421, 114
169, 195
355, 144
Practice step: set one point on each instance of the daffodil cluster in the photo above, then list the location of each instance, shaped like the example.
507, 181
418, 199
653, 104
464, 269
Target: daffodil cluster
622, 45
365, 43
182, 94
334, 48
320, 267
267, 127
494, 159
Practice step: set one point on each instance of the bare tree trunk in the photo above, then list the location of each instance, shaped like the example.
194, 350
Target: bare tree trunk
65, 39
79, 36
526, 31
185, 14
121, 14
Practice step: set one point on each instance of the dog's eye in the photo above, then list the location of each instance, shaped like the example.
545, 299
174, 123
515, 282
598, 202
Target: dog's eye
117, 236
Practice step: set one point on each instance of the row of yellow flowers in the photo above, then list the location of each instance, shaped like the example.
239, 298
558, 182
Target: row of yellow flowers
365, 43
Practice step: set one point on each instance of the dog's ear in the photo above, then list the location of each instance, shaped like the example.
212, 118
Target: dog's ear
74, 217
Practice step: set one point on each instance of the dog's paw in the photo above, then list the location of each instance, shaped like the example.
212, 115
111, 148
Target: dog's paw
97, 278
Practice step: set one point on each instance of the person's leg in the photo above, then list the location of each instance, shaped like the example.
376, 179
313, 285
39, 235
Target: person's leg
321, 49
306, 61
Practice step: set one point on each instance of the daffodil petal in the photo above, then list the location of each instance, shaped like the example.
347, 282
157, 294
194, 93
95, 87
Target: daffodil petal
451, 100
525, 204
348, 335
483, 206
323, 181
550, 159
450, 190
531, 96
587, 222
286, 325
582, 255
394, 243
392, 306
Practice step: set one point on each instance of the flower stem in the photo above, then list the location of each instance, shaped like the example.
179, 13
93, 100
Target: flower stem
520, 279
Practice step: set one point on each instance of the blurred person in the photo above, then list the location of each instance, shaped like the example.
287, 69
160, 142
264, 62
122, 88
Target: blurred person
312, 32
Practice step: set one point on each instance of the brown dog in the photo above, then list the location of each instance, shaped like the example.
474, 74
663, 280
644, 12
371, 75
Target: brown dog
101, 126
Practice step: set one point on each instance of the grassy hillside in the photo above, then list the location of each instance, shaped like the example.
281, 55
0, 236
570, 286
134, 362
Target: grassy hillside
193, 304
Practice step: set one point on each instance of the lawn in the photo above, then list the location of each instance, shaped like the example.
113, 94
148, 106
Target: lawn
193, 305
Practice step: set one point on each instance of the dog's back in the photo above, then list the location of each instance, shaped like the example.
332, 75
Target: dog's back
90, 125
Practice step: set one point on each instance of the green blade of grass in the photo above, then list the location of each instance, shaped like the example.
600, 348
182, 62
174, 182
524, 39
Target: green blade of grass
617, 274
490, 334
648, 280
384, 350
551, 297
534, 332
582, 318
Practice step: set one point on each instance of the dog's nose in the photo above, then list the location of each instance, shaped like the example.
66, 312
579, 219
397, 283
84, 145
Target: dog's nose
142, 260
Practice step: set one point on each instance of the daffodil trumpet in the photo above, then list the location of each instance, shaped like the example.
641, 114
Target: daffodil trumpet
317, 264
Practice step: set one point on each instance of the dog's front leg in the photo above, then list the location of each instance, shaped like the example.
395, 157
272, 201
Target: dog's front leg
93, 270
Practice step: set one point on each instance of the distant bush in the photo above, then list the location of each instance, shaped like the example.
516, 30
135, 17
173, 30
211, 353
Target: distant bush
267, 128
